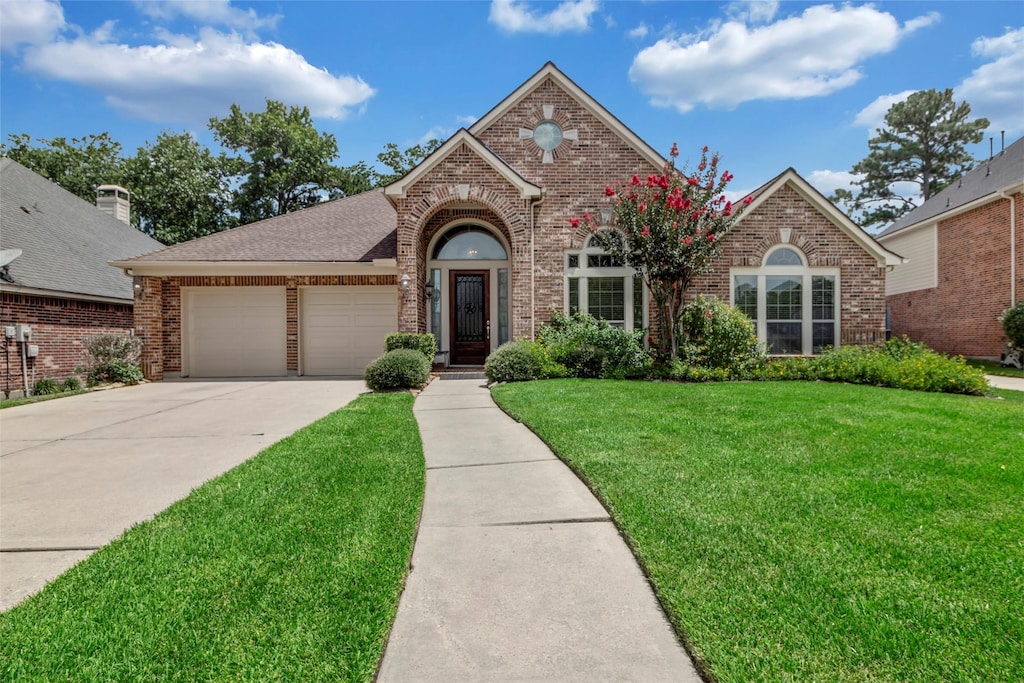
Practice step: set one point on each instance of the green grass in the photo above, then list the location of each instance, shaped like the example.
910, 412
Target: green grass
992, 367
802, 531
12, 402
288, 567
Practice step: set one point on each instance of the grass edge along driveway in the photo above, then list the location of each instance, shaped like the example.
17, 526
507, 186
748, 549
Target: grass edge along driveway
288, 567
810, 531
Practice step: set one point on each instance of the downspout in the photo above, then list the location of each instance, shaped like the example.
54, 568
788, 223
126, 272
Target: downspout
1013, 246
533, 257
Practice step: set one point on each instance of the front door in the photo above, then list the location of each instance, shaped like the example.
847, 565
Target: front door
470, 316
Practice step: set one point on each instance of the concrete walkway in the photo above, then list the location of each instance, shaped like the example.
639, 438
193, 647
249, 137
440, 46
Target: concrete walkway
999, 382
518, 574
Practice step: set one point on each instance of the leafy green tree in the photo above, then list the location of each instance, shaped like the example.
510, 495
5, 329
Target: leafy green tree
353, 179
285, 163
669, 228
179, 190
922, 142
400, 162
79, 166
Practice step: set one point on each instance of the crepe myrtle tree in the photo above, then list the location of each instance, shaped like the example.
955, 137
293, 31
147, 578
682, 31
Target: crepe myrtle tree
669, 228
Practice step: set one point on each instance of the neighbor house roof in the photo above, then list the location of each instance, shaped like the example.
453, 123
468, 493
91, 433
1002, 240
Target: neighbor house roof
1001, 173
65, 241
360, 228
828, 209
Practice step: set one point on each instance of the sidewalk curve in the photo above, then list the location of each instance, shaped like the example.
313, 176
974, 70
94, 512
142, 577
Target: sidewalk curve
518, 574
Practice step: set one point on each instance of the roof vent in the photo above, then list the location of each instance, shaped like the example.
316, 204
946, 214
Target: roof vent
114, 199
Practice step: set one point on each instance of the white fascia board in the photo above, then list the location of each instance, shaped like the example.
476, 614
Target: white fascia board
257, 268
56, 294
581, 96
463, 136
883, 256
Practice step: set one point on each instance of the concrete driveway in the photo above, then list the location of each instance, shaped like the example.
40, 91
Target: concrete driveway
76, 472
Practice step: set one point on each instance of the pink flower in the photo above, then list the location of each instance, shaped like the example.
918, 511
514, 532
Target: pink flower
693, 181
608, 191
687, 240
635, 180
748, 200
574, 222
641, 207
709, 314
675, 150
728, 208
726, 177
663, 181
705, 150
646, 231
711, 237
586, 217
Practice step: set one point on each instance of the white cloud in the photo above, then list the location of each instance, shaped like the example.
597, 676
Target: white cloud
753, 11
516, 16
209, 12
28, 22
188, 80
466, 121
640, 31
811, 54
995, 90
441, 133
873, 115
922, 21
827, 182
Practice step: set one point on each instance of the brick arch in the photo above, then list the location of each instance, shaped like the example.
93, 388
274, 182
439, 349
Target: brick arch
512, 219
800, 241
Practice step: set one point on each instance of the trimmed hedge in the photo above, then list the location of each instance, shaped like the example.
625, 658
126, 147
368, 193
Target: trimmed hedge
424, 343
398, 369
514, 361
585, 346
717, 335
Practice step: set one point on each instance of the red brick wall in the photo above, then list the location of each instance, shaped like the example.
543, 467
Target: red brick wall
59, 327
158, 311
861, 280
959, 316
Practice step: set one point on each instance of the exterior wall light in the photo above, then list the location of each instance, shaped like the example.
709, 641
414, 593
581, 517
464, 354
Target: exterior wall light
406, 282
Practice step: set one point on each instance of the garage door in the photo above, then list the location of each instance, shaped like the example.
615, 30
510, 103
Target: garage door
343, 328
236, 332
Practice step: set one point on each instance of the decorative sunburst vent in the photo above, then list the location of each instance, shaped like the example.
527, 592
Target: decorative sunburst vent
550, 133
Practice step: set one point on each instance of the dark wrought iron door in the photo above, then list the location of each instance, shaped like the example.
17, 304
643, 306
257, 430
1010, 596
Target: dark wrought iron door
470, 317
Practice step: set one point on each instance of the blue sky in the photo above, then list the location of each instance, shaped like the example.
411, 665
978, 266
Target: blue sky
768, 84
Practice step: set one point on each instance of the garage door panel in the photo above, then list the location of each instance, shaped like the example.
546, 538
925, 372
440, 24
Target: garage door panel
237, 332
343, 328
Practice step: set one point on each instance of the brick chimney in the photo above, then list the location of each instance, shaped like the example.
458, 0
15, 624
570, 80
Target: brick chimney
114, 199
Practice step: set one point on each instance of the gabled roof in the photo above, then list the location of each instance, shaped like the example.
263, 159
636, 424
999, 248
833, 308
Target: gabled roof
354, 229
65, 241
1002, 173
828, 209
463, 136
551, 71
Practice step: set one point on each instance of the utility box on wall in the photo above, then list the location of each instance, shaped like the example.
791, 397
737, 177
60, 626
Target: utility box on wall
22, 333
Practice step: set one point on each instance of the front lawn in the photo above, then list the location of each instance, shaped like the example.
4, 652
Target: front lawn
800, 531
992, 367
289, 567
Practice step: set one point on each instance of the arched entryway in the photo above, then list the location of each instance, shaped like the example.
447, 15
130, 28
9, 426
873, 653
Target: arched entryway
468, 286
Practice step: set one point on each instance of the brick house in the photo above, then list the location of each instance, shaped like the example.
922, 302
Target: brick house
965, 248
474, 245
55, 278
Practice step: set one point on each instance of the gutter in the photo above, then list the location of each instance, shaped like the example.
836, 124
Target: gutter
533, 268
1013, 245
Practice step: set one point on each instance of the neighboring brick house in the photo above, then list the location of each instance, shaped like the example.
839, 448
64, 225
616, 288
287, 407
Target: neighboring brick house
475, 246
60, 284
965, 251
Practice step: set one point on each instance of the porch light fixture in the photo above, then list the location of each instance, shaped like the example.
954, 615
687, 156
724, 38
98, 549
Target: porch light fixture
406, 282
430, 292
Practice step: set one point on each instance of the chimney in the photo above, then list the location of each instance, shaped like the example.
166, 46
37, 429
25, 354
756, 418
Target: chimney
114, 199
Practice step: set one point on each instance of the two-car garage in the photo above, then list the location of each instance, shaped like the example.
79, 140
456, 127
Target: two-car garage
243, 331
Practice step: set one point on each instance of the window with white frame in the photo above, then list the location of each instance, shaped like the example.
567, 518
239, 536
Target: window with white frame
795, 307
599, 284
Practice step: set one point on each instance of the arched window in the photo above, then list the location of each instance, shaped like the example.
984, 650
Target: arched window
794, 306
598, 283
469, 242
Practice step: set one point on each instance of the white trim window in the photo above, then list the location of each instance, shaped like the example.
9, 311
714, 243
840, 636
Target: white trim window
598, 284
795, 307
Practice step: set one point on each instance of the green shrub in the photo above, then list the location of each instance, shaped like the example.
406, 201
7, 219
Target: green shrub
681, 371
115, 370
71, 384
1013, 323
424, 343
515, 361
398, 369
716, 335
588, 347
45, 386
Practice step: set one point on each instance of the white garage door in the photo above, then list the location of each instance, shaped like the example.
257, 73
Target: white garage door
343, 328
236, 332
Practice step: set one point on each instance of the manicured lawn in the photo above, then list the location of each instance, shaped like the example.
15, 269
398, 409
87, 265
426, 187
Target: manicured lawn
994, 368
288, 567
802, 531
12, 402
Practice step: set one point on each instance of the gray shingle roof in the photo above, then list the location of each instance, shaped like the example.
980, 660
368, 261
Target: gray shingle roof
1002, 171
357, 228
66, 242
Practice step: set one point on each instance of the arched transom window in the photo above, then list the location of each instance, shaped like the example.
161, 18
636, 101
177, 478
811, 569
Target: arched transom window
469, 243
599, 284
794, 306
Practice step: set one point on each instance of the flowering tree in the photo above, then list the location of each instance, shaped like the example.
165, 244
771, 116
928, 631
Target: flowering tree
673, 224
